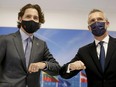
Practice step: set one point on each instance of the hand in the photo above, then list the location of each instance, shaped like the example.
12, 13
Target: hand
77, 65
35, 67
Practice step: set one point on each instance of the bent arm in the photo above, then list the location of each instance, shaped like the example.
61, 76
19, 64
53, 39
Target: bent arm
53, 66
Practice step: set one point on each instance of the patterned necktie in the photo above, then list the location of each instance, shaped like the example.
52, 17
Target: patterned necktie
28, 50
102, 55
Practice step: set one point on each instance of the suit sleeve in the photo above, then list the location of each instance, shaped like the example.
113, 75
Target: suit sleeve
2, 48
53, 66
63, 69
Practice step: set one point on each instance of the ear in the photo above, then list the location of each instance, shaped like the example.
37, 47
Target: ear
19, 19
107, 24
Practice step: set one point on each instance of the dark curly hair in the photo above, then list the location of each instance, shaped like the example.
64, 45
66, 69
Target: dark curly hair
35, 6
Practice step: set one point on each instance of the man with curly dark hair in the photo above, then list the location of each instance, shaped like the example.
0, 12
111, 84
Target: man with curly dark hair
22, 55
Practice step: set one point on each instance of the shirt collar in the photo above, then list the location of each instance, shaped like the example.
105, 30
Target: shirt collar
106, 40
24, 35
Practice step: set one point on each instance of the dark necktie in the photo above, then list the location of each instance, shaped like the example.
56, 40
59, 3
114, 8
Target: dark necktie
28, 50
102, 55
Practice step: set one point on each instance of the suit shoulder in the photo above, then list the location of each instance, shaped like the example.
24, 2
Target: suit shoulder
11, 35
8, 37
86, 46
1, 36
113, 39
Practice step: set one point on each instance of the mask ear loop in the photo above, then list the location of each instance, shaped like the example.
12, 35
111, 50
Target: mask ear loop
107, 23
89, 26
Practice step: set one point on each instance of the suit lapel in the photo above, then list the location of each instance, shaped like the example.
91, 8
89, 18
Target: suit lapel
93, 53
19, 47
110, 50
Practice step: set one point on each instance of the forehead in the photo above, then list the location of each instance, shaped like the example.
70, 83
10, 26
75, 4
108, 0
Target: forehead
96, 15
31, 11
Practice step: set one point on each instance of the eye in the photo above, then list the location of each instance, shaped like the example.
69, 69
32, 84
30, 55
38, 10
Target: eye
36, 18
91, 21
100, 19
28, 16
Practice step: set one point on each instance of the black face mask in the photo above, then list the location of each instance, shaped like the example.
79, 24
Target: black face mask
30, 26
98, 28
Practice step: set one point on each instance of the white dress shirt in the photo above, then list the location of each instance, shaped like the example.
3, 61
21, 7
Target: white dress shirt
105, 44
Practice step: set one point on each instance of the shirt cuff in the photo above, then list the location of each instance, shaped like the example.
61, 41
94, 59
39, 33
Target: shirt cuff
68, 69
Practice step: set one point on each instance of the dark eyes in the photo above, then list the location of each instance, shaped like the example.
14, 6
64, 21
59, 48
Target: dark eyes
34, 17
96, 20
